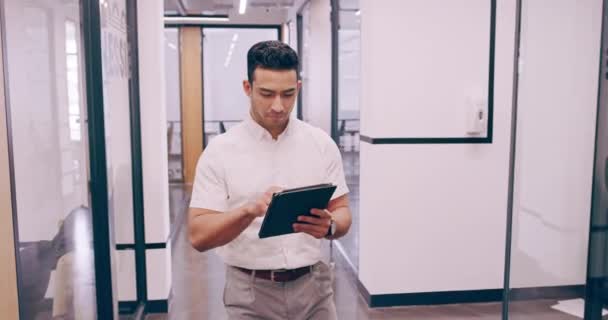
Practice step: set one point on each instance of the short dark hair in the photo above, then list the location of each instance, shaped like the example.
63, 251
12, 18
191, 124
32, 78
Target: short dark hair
273, 55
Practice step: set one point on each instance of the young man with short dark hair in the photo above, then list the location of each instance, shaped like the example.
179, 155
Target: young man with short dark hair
280, 277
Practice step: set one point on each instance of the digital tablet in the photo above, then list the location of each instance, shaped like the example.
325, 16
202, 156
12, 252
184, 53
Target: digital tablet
287, 205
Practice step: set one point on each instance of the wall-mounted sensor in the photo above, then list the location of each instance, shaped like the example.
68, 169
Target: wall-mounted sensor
477, 116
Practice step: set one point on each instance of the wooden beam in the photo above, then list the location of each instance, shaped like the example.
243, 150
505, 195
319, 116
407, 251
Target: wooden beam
192, 99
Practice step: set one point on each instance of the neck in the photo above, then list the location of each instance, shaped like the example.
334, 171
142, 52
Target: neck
274, 132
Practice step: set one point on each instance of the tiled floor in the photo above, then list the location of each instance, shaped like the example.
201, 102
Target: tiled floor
198, 283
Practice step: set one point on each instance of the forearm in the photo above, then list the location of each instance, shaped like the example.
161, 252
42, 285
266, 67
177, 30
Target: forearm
211, 230
343, 220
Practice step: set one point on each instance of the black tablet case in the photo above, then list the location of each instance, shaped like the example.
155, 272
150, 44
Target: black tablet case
287, 205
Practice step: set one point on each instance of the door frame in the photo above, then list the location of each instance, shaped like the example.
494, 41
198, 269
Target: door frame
8, 220
597, 273
98, 182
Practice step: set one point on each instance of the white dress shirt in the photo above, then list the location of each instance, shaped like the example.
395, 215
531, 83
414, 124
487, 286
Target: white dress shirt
241, 164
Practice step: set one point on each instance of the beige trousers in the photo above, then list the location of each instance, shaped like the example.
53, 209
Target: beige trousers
308, 297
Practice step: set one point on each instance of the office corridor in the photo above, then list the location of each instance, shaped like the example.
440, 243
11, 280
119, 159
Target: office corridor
198, 283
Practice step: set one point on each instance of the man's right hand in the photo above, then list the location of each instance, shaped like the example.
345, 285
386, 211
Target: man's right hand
257, 207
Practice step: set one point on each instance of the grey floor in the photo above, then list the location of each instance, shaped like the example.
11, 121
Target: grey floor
198, 283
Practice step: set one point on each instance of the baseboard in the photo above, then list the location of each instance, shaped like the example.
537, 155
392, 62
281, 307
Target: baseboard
434, 298
152, 306
557, 293
127, 307
455, 297
157, 306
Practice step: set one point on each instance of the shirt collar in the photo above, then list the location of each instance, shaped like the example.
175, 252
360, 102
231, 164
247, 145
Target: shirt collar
260, 132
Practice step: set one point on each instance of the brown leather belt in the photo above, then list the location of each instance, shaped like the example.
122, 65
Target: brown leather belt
278, 275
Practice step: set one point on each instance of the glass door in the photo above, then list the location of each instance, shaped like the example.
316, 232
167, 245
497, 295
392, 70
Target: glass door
118, 89
597, 269
556, 111
47, 116
347, 118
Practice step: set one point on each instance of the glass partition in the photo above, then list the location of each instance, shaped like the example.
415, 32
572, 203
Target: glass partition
349, 97
48, 132
554, 156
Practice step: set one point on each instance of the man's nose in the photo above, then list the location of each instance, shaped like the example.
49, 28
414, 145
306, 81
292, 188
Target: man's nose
277, 106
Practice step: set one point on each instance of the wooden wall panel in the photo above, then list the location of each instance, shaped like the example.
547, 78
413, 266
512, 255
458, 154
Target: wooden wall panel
192, 99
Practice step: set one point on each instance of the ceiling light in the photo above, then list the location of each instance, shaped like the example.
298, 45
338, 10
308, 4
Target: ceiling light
358, 12
242, 6
195, 20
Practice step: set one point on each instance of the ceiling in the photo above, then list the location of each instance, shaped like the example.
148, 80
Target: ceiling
258, 11
223, 7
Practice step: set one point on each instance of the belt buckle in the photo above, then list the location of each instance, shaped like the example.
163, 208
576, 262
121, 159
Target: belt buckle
272, 272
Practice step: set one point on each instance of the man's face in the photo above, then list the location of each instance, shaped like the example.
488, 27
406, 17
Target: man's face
273, 95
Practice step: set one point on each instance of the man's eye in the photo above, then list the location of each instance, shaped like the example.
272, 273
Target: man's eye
266, 94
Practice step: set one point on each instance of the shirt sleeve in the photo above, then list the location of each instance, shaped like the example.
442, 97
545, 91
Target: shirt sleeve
209, 190
335, 170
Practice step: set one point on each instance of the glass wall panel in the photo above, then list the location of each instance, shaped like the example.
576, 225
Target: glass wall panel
556, 120
349, 97
47, 113
117, 121
174, 119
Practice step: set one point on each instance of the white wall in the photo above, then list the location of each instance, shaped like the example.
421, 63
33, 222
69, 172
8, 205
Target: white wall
154, 142
442, 210
350, 73
317, 65
224, 96
173, 75
293, 10
440, 67
432, 216
173, 95
560, 47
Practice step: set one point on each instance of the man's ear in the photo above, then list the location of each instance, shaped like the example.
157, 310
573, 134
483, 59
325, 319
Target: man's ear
299, 85
247, 87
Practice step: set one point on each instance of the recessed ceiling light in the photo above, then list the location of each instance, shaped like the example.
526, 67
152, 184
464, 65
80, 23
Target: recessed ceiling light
243, 7
195, 20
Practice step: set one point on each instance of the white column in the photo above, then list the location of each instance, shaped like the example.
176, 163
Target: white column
317, 100
154, 144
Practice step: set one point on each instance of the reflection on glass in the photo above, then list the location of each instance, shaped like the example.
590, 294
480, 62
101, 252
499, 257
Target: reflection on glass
304, 56
174, 121
225, 53
56, 267
71, 50
556, 102
349, 81
117, 121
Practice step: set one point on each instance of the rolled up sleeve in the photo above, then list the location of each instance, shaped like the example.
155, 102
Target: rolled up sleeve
209, 190
335, 170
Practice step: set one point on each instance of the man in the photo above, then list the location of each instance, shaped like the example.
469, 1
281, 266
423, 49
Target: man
280, 277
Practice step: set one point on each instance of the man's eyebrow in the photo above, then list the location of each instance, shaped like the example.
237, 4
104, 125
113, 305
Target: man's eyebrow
273, 91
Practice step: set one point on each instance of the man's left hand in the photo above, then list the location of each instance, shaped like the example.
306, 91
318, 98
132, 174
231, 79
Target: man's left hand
316, 226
